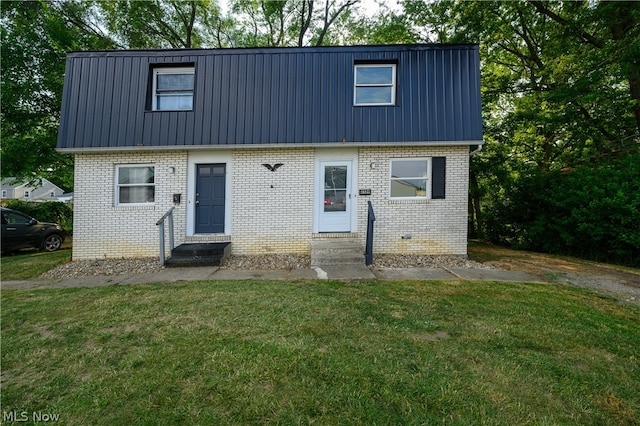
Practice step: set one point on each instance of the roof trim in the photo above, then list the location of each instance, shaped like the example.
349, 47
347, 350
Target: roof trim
256, 50
98, 150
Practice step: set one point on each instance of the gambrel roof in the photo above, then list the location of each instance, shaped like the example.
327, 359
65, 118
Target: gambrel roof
271, 97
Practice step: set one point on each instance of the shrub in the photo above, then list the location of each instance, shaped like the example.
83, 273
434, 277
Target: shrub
46, 211
590, 212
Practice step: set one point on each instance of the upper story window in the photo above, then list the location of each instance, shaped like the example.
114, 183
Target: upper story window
173, 89
375, 84
27, 194
135, 184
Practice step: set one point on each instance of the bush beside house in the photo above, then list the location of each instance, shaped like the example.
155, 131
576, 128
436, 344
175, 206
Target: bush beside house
46, 211
592, 212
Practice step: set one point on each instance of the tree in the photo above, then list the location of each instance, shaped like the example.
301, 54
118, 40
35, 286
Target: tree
556, 82
165, 24
386, 28
35, 38
287, 22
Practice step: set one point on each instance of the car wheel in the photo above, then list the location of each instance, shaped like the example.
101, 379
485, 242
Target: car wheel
52, 242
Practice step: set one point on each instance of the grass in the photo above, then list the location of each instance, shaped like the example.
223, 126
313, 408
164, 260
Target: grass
321, 352
26, 264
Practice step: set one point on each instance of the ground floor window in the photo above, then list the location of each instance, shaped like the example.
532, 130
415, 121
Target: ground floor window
135, 184
409, 178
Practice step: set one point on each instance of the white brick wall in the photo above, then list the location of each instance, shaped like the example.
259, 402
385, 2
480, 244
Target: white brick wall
436, 226
100, 228
271, 212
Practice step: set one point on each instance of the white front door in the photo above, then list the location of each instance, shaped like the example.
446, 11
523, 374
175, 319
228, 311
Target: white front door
334, 197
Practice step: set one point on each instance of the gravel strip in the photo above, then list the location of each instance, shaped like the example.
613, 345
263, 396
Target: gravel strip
268, 261
83, 268
425, 261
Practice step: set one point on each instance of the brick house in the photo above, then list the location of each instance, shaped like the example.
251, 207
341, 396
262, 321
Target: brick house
272, 148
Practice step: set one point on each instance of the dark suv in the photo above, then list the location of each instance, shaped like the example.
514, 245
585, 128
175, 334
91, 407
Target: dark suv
22, 231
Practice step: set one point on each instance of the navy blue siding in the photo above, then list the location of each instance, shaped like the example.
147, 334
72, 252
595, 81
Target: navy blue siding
271, 96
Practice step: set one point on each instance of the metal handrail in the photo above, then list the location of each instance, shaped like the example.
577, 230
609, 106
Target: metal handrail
371, 217
167, 215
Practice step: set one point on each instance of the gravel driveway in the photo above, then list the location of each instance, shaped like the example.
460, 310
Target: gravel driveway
619, 282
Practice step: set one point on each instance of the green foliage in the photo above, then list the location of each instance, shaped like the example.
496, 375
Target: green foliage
164, 24
46, 211
561, 90
326, 353
291, 23
591, 212
560, 80
35, 39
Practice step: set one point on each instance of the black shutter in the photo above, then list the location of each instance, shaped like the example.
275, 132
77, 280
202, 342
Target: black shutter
438, 177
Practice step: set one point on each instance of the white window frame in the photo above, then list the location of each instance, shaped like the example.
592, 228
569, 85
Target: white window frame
118, 185
428, 178
172, 70
26, 194
392, 85
52, 194
4, 193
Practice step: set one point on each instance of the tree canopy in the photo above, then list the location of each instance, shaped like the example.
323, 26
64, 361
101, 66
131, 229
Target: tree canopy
560, 80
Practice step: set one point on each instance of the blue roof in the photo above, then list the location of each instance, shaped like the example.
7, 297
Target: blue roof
271, 96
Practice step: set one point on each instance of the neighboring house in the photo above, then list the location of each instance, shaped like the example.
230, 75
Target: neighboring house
46, 191
271, 148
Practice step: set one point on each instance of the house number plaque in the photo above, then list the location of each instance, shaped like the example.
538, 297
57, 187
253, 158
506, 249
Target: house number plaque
364, 192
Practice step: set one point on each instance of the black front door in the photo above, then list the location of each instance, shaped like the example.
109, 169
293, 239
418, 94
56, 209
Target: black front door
210, 195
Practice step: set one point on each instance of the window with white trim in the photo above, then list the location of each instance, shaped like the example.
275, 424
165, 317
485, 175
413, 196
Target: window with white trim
135, 184
27, 194
375, 84
4, 193
409, 178
173, 89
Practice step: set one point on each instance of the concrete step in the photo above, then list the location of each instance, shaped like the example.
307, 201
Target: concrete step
336, 253
199, 254
337, 260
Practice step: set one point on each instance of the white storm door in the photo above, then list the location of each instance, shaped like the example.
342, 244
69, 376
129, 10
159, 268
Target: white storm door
333, 196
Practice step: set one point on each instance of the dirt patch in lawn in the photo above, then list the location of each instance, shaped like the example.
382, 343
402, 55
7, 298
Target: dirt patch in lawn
610, 279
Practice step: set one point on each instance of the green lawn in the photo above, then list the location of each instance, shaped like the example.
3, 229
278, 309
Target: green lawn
327, 353
26, 264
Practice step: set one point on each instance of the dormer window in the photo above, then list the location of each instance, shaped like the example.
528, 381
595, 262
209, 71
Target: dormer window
375, 84
173, 89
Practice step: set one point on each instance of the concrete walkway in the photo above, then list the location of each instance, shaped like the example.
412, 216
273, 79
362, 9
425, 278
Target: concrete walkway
349, 273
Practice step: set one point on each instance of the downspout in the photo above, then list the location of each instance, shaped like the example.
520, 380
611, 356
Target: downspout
475, 151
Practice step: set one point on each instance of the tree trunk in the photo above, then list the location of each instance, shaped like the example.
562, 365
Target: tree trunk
619, 30
474, 206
